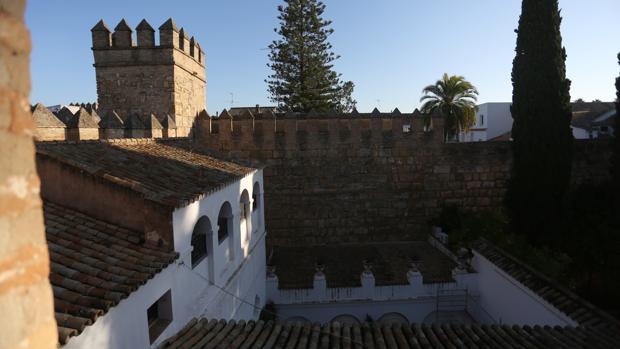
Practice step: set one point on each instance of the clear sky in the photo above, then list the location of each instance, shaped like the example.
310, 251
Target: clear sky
390, 49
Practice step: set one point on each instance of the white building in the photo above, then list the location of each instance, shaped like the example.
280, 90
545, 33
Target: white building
593, 119
124, 288
492, 120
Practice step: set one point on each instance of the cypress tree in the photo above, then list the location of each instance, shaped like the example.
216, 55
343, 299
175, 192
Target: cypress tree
543, 140
303, 78
615, 154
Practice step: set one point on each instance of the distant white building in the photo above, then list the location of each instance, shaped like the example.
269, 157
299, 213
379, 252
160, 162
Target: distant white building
593, 119
492, 120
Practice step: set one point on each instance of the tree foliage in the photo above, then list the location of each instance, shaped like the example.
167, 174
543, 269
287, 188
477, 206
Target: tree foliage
303, 78
615, 157
543, 140
455, 99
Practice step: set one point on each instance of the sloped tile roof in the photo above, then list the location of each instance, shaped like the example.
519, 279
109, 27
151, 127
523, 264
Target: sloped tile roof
205, 333
343, 264
563, 299
94, 265
162, 173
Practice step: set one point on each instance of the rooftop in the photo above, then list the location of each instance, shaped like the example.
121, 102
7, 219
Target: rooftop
563, 299
212, 333
161, 172
94, 265
390, 261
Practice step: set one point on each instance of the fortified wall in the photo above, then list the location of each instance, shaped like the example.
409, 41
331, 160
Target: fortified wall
334, 179
146, 78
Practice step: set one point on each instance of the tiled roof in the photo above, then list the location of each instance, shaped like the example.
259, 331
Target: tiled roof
205, 333
585, 113
563, 299
343, 264
94, 265
162, 173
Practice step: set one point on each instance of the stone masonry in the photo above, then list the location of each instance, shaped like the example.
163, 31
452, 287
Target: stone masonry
143, 78
353, 178
26, 303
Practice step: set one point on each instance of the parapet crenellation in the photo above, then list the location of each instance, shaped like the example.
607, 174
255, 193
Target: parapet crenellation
122, 39
264, 132
142, 76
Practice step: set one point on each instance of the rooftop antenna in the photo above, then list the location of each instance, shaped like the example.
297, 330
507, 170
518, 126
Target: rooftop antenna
232, 99
378, 104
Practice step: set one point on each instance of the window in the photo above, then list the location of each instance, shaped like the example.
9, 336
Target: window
200, 235
224, 222
245, 214
481, 120
255, 196
222, 232
159, 316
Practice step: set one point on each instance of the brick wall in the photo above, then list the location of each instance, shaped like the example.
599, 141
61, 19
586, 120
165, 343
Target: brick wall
362, 179
26, 303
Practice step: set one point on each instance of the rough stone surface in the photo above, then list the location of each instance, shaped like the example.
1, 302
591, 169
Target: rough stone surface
26, 302
147, 79
333, 181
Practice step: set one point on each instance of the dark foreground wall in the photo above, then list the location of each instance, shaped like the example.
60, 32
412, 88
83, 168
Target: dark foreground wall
332, 180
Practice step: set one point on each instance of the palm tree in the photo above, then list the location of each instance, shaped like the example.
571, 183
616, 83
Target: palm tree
455, 99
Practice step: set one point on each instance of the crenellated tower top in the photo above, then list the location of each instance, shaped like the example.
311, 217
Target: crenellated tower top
138, 75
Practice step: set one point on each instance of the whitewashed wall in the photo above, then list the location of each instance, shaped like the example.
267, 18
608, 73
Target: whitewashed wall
508, 301
234, 291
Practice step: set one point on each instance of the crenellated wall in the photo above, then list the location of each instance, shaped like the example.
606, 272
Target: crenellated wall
360, 177
143, 77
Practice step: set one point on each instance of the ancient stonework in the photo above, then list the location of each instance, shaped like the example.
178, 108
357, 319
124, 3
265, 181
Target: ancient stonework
362, 178
26, 303
144, 78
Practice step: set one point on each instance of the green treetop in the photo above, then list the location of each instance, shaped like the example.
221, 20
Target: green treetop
303, 78
543, 140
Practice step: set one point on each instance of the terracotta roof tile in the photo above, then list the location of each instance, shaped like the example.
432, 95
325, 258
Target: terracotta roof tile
94, 265
203, 333
175, 176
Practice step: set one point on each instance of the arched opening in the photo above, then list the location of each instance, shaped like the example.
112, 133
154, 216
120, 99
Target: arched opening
256, 206
200, 239
245, 221
346, 319
393, 318
225, 229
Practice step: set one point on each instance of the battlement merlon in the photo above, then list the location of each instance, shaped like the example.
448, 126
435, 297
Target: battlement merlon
119, 49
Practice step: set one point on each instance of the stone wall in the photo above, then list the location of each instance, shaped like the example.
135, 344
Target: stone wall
26, 302
145, 78
333, 180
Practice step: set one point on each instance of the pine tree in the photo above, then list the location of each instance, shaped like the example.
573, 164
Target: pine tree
543, 140
303, 78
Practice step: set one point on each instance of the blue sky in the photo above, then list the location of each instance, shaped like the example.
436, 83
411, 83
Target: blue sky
390, 49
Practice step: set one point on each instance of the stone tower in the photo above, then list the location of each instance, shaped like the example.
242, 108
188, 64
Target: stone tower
142, 78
